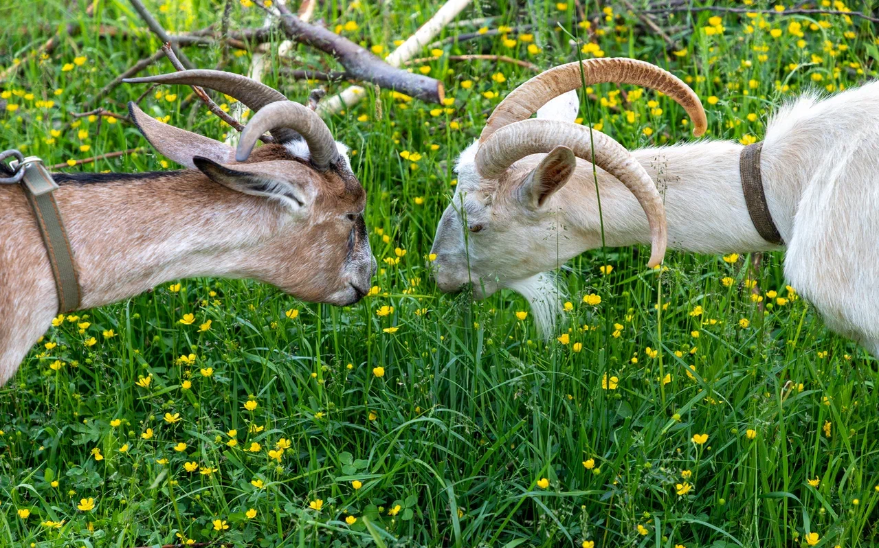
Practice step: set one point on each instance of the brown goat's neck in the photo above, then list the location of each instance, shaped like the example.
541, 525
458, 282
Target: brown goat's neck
132, 235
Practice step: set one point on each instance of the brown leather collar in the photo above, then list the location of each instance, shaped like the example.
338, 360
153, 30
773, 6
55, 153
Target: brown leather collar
755, 198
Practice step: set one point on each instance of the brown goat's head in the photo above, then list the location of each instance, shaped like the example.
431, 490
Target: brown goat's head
304, 171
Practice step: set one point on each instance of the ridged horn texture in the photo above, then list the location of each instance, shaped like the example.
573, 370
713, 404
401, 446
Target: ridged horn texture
293, 116
251, 93
524, 101
519, 139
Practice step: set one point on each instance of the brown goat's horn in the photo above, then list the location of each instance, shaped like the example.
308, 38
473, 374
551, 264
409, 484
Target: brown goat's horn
524, 101
519, 139
293, 116
251, 93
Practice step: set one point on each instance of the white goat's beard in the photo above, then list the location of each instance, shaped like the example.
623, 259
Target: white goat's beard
546, 293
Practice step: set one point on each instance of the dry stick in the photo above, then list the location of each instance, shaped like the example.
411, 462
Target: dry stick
772, 12
497, 58
359, 62
300, 74
159, 31
406, 51
651, 24
194, 545
201, 92
102, 112
96, 158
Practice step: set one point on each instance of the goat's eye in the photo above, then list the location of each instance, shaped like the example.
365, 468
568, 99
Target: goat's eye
351, 217
476, 228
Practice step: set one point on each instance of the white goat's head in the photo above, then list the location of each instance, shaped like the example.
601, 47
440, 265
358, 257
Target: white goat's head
321, 239
499, 230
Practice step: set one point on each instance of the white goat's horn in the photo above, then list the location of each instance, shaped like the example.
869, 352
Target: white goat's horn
288, 114
254, 95
519, 139
524, 101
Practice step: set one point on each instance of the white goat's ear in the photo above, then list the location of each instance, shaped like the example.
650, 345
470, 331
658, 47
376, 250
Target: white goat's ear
254, 184
178, 144
563, 108
550, 175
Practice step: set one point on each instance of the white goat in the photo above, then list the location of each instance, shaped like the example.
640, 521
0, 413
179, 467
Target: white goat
290, 214
527, 213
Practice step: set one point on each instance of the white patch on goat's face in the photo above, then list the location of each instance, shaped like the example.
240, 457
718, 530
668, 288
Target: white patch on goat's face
489, 238
299, 149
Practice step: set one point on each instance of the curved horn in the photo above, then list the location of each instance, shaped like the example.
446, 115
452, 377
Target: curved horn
293, 116
524, 101
519, 139
251, 93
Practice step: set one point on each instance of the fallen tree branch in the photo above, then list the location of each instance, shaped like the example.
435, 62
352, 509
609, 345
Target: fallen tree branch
305, 74
406, 51
857, 14
106, 156
212, 106
359, 62
159, 31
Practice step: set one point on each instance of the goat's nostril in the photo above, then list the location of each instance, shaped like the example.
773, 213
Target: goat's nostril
360, 292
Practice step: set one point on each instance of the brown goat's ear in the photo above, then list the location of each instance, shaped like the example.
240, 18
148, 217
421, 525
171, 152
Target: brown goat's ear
550, 175
254, 184
178, 144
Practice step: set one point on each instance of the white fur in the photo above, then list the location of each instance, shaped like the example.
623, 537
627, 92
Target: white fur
299, 148
819, 167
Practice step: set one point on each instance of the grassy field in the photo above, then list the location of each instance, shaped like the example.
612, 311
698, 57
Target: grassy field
703, 406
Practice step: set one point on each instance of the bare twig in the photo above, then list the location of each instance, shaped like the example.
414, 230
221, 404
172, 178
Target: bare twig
159, 31
96, 158
214, 107
359, 62
497, 58
195, 545
406, 51
104, 113
300, 74
857, 14
133, 71
651, 24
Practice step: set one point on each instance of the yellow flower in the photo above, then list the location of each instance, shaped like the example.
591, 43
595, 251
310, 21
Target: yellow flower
686, 474
812, 539
250, 513
642, 530
377, 49
207, 471
713, 100
258, 483
700, 439
395, 510
316, 504
190, 466
186, 385
814, 482
826, 428
250, 405
205, 326
79, 61
744, 323
174, 288
727, 281
592, 299
254, 447
612, 385
276, 454
543, 483
577, 347
350, 520
180, 447
86, 505
144, 382
561, 6
148, 434
96, 452
731, 258
521, 315
564, 338
109, 334
171, 419
568, 306
589, 464
56, 365
588, 544
391, 330
91, 341
115, 422
206, 372
220, 525
751, 433
683, 488
24, 513
384, 311
188, 319
378, 371
124, 448
67, 67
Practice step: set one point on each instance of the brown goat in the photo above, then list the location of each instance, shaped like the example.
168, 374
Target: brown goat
290, 214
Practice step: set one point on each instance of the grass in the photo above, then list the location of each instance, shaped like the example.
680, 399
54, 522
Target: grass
738, 423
